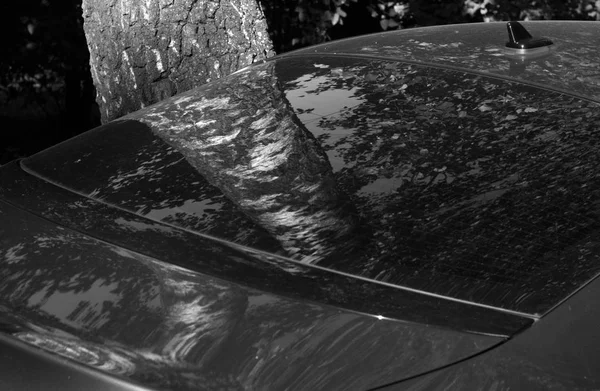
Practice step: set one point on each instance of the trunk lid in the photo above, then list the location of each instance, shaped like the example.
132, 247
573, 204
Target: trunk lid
118, 308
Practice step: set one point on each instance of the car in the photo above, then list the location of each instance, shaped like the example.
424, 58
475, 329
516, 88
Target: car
410, 210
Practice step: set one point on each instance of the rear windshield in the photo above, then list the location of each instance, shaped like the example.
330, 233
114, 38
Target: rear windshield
451, 183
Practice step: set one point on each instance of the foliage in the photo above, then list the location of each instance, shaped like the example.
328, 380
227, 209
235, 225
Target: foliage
494, 10
45, 87
48, 47
296, 23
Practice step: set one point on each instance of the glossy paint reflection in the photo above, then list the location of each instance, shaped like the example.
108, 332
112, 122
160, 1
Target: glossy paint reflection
170, 327
560, 352
460, 177
243, 136
571, 67
244, 265
442, 181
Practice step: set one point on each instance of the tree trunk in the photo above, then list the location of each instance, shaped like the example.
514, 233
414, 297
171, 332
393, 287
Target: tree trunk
142, 51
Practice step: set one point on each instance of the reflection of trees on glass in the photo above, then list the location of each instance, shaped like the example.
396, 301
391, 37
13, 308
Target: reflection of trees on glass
243, 136
461, 176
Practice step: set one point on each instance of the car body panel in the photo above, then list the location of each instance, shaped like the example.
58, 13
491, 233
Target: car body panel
430, 179
570, 65
245, 266
559, 352
20, 363
131, 315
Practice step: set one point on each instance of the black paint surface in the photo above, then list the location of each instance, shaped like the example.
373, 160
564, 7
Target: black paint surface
465, 186
242, 265
171, 327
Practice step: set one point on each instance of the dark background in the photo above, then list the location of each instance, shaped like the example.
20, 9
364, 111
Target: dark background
46, 91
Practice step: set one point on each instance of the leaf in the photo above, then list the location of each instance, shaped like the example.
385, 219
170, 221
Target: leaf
392, 24
335, 19
399, 8
384, 24
341, 12
484, 108
530, 110
510, 117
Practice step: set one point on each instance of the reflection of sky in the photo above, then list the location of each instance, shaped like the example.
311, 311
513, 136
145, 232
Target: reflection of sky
336, 161
189, 207
142, 226
64, 304
331, 101
324, 103
381, 186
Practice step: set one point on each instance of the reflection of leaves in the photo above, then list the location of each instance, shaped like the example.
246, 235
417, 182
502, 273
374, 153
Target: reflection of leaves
90, 288
570, 70
151, 179
58, 268
429, 167
246, 140
192, 331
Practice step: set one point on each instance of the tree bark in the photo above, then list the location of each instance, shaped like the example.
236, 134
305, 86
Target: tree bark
142, 51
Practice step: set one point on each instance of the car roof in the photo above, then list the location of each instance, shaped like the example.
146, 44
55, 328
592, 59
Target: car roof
476, 188
569, 66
